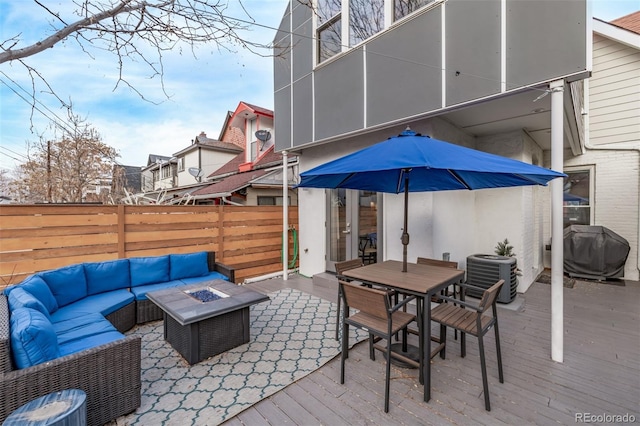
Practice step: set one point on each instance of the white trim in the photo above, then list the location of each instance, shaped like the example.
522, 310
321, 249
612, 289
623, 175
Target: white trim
503, 46
291, 72
314, 31
313, 110
443, 37
616, 33
364, 83
589, 39
344, 27
388, 13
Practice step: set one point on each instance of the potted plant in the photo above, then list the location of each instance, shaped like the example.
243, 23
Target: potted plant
505, 249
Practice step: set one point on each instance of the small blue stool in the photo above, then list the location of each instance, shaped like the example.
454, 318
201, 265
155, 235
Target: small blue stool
64, 408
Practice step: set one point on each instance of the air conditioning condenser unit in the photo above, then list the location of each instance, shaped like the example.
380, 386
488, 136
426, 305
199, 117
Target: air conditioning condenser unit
484, 270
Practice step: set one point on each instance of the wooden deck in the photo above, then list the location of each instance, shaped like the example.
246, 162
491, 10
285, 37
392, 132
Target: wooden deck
600, 374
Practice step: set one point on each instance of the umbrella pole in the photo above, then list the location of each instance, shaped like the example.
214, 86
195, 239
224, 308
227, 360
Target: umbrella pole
405, 234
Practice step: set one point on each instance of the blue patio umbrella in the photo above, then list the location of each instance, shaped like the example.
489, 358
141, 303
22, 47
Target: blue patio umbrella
411, 162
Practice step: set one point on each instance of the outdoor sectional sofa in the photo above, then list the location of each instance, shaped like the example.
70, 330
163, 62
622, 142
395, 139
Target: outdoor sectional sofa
63, 329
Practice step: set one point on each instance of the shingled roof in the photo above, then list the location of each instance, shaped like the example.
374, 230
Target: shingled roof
629, 22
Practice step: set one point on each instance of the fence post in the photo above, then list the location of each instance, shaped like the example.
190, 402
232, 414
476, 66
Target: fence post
121, 235
220, 233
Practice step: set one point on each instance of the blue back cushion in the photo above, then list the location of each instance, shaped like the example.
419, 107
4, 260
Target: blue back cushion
107, 276
33, 339
149, 270
20, 298
67, 284
188, 265
36, 286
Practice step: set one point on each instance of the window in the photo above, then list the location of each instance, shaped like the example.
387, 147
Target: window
329, 29
271, 201
366, 18
181, 164
577, 197
402, 8
254, 151
166, 171
252, 127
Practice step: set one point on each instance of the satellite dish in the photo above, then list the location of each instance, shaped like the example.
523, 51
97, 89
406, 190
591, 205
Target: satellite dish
263, 135
196, 172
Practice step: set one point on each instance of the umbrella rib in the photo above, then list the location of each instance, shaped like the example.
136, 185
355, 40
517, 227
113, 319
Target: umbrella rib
527, 178
349, 176
459, 179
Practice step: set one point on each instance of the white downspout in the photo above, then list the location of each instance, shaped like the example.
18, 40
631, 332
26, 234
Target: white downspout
285, 216
557, 255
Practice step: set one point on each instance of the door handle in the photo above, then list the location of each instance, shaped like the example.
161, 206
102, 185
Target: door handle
347, 231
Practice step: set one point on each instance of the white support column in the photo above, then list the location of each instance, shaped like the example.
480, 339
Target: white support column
285, 216
557, 255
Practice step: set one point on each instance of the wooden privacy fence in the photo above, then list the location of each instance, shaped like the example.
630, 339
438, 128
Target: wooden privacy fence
39, 237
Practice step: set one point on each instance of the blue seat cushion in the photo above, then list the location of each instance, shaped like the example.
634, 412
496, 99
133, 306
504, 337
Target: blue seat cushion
20, 298
103, 303
81, 327
149, 270
33, 339
188, 265
89, 342
37, 287
68, 284
140, 292
215, 275
107, 276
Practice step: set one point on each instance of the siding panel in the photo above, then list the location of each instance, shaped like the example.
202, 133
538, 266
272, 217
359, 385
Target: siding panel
614, 107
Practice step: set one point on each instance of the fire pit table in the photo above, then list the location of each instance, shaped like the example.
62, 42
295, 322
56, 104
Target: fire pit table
205, 319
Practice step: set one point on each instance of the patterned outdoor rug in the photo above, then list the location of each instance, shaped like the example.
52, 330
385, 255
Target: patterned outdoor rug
292, 335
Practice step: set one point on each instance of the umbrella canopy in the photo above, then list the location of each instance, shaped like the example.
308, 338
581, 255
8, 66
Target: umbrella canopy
411, 162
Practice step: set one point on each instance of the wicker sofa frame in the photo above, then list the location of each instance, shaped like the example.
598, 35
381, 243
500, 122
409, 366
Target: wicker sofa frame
109, 374
147, 311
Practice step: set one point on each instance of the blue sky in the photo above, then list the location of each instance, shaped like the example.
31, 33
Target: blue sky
201, 90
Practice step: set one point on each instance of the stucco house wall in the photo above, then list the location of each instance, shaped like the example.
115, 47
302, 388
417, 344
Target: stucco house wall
446, 55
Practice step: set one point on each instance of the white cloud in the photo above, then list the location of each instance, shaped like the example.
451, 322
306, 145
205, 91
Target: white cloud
201, 90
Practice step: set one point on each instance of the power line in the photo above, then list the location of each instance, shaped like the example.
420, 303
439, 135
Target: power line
10, 156
33, 105
14, 152
57, 119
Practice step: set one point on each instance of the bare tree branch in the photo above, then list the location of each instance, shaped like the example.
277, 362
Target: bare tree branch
128, 28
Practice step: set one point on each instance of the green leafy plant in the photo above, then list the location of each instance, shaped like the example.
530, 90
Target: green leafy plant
504, 249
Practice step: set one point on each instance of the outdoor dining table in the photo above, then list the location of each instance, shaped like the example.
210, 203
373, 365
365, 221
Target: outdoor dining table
420, 280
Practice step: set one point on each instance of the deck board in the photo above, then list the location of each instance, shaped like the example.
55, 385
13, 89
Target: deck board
600, 373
